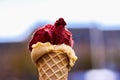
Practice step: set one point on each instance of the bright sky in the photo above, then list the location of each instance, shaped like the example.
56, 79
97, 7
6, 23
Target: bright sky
16, 16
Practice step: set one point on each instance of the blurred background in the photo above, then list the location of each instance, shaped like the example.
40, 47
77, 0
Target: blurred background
95, 25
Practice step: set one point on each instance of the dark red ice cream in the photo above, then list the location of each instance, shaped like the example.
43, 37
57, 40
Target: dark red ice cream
62, 34
55, 34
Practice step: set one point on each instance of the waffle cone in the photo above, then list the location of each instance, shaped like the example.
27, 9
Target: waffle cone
53, 66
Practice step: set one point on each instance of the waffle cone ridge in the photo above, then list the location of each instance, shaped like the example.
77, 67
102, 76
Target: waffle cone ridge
53, 66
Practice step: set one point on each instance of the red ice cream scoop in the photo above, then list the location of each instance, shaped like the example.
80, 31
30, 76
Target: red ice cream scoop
61, 34
55, 34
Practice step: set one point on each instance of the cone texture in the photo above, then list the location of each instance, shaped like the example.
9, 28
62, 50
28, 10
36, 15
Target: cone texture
53, 66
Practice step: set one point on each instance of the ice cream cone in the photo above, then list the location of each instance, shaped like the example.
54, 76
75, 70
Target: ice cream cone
53, 66
53, 61
51, 51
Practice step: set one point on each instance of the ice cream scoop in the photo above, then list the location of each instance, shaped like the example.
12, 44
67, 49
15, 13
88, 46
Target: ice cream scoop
61, 34
42, 34
55, 34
